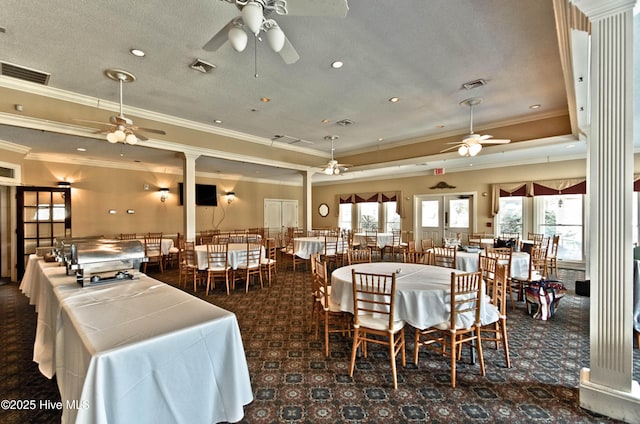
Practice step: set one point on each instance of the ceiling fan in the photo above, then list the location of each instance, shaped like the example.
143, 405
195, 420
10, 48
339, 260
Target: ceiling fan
472, 144
121, 128
333, 167
254, 15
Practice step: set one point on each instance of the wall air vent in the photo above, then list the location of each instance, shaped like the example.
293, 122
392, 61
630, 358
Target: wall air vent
474, 84
345, 122
289, 140
202, 66
26, 74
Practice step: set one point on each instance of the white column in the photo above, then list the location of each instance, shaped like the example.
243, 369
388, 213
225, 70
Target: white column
189, 195
607, 387
306, 198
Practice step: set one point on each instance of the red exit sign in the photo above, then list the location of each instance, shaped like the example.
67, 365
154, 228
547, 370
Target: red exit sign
438, 171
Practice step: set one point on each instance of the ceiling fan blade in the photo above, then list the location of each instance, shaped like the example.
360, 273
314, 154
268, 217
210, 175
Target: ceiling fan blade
149, 130
451, 148
344, 165
219, 39
496, 141
333, 8
289, 53
140, 136
91, 122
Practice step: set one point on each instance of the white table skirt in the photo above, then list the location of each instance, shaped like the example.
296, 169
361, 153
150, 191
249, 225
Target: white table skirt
236, 254
384, 239
468, 262
422, 293
307, 246
636, 295
140, 351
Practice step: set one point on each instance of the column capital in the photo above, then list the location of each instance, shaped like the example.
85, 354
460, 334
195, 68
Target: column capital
599, 9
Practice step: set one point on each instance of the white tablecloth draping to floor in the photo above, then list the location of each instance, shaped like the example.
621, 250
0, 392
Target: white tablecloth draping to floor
384, 239
307, 246
636, 295
138, 351
422, 292
468, 262
236, 254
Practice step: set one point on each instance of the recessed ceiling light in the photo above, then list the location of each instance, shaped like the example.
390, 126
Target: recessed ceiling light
440, 126
325, 121
337, 64
394, 99
81, 149
254, 110
265, 99
217, 121
381, 139
569, 146
137, 52
534, 107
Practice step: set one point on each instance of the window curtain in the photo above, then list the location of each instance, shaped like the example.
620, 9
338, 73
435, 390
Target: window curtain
507, 190
636, 183
541, 188
379, 197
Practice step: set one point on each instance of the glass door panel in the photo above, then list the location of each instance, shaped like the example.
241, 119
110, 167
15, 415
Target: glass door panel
441, 217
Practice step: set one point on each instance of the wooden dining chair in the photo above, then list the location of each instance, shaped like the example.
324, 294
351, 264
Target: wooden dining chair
504, 255
217, 265
250, 266
463, 325
426, 244
444, 256
371, 242
552, 255
497, 287
188, 265
289, 252
373, 318
128, 236
417, 257
269, 264
153, 250
331, 250
359, 256
323, 309
536, 271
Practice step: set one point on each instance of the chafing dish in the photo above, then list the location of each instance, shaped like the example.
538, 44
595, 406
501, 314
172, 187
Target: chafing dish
105, 260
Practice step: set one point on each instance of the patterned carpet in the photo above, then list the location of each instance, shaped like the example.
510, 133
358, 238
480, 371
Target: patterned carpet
293, 382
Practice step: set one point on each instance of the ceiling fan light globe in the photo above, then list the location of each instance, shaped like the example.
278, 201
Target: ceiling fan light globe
111, 138
252, 16
275, 38
328, 170
238, 39
336, 171
120, 135
131, 139
463, 150
474, 149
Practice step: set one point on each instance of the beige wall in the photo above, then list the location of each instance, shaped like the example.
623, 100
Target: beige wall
96, 190
470, 181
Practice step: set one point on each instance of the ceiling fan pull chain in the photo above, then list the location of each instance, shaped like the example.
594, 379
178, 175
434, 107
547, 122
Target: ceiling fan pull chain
255, 56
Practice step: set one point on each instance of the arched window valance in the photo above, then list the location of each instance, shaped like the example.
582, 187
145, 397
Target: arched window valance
378, 197
538, 188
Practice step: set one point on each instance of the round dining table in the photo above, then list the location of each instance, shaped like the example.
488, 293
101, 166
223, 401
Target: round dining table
423, 293
304, 247
236, 254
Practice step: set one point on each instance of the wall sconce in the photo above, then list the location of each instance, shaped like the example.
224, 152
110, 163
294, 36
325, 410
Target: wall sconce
164, 193
230, 196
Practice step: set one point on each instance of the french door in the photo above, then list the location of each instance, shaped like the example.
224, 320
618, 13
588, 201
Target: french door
278, 215
43, 214
443, 216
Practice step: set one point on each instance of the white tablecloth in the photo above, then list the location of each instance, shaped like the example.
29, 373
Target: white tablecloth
236, 253
384, 239
307, 246
636, 295
422, 292
468, 262
139, 351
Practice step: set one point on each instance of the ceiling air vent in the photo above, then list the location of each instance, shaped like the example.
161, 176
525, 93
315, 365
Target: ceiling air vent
26, 74
474, 84
345, 122
202, 66
289, 140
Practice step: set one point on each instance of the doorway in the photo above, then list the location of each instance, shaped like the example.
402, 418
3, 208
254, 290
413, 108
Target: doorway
278, 215
43, 215
444, 216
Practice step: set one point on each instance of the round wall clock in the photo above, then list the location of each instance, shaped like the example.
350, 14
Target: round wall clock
323, 209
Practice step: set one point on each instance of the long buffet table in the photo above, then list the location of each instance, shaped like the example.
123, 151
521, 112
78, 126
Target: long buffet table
136, 351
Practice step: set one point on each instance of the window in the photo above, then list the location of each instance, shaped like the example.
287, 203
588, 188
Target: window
510, 216
561, 214
344, 219
430, 213
368, 216
391, 217
634, 218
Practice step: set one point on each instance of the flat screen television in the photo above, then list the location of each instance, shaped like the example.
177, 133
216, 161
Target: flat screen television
206, 194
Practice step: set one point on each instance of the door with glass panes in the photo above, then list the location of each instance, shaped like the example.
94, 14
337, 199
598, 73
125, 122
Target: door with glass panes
44, 214
443, 216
